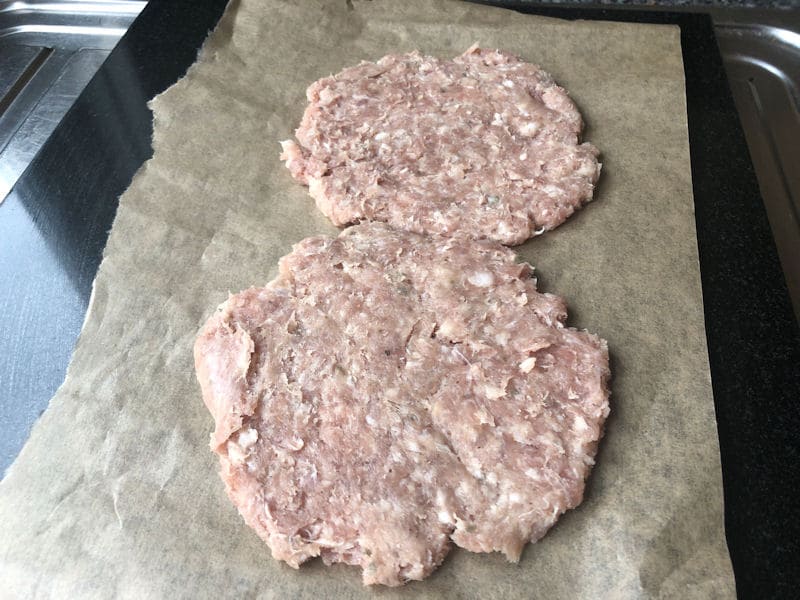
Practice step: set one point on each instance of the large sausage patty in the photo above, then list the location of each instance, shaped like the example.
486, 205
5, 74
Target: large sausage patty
390, 392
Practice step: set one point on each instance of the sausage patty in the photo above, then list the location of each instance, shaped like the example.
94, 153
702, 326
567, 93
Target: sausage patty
390, 392
484, 145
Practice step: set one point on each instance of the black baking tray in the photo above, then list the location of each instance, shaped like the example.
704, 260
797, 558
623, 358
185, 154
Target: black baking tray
54, 226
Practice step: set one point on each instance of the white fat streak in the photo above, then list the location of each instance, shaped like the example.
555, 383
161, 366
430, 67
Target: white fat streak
238, 450
493, 392
474, 468
552, 190
580, 424
503, 228
443, 514
248, 438
534, 474
315, 187
328, 543
481, 279
235, 454
412, 445
526, 366
448, 328
587, 169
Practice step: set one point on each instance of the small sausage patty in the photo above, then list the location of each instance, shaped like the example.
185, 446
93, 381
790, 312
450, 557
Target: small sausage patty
484, 145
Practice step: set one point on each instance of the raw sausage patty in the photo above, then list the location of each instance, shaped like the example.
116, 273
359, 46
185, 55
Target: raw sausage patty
484, 145
390, 392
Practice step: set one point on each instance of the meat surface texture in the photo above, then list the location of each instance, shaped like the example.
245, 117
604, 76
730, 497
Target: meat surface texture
390, 392
484, 145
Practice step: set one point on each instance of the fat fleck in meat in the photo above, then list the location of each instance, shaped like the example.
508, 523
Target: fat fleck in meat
391, 392
483, 145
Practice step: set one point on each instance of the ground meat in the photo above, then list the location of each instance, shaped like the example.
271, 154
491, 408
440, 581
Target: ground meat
391, 392
483, 145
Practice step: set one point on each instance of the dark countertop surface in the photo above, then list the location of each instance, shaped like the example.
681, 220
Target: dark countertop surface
54, 225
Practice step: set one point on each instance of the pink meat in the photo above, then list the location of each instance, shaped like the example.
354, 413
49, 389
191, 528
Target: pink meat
390, 393
483, 145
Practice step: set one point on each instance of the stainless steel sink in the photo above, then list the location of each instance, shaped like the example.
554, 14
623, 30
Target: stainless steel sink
48, 53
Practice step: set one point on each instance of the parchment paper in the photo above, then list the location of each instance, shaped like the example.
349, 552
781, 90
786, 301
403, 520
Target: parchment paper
117, 493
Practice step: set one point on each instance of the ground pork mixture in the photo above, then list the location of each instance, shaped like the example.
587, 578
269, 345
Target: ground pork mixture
389, 393
484, 145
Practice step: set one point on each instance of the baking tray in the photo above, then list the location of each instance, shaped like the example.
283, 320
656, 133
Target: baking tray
54, 225
762, 61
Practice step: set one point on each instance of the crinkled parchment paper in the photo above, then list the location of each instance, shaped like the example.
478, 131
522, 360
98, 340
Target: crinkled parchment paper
117, 494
